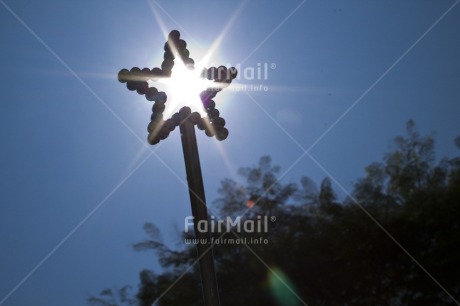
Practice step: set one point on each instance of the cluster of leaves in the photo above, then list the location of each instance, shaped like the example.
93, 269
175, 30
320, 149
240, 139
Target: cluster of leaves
393, 241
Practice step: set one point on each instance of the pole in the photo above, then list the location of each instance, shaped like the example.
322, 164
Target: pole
199, 211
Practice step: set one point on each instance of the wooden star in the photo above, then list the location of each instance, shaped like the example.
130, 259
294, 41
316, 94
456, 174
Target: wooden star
137, 79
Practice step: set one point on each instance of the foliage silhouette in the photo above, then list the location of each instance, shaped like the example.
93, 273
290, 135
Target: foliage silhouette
330, 252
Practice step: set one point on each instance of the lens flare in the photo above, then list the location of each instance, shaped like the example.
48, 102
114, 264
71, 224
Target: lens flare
282, 288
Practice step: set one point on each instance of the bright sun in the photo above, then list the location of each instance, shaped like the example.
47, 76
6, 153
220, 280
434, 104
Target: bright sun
184, 88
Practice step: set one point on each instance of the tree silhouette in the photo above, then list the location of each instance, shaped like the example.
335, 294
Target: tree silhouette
113, 297
323, 251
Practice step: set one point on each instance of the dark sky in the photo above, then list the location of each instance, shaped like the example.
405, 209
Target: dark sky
77, 178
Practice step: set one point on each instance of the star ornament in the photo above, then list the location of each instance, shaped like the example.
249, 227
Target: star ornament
186, 84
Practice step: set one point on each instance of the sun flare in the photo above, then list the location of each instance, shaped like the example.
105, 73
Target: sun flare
184, 88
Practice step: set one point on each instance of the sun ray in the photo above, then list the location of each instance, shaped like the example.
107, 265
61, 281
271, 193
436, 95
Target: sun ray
230, 168
158, 18
206, 58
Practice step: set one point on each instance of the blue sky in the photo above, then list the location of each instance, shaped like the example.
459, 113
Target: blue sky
74, 195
